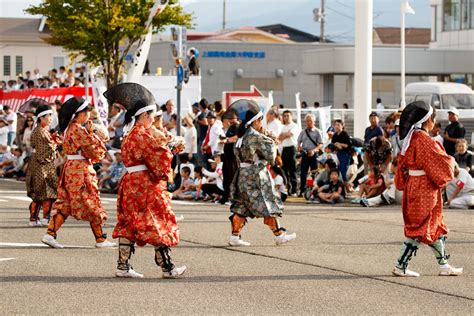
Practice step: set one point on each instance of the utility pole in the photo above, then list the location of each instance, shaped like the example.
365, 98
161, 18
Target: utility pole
223, 14
319, 16
323, 18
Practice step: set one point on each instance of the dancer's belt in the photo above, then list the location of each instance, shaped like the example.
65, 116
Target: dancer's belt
136, 168
416, 173
75, 157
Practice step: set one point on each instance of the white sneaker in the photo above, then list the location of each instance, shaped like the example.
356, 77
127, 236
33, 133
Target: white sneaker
447, 270
407, 273
235, 241
284, 238
105, 244
45, 221
179, 218
128, 274
36, 223
50, 241
175, 273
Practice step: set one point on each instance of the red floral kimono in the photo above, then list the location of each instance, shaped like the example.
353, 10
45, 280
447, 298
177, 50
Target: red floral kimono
143, 205
422, 203
78, 193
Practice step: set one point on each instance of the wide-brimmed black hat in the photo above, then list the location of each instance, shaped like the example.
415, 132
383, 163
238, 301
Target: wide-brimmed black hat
69, 109
245, 110
31, 105
132, 96
412, 114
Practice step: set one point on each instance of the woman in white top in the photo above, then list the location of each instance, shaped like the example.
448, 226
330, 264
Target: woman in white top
190, 138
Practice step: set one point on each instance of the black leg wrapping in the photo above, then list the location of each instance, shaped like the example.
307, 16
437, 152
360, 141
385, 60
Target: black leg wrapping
163, 259
126, 249
410, 250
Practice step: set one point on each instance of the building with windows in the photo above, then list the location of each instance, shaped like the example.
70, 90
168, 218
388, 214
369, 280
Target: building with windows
22, 49
452, 25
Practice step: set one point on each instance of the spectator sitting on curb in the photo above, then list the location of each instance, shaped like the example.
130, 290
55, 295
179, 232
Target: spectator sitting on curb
373, 186
279, 181
333, 191
460, 190
390, 195
463, 157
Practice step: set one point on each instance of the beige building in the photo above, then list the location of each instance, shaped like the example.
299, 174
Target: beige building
22, 49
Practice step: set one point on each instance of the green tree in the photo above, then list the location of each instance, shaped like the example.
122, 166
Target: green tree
103, 32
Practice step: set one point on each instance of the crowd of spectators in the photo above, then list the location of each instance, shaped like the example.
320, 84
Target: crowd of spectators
55, 78
324, 167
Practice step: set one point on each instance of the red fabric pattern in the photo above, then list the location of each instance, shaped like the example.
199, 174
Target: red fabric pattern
78, 193
143, 206
422, 203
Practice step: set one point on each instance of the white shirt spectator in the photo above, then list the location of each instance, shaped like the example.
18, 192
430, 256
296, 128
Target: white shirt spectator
3, 135
295, 131
439, 139
190, 140
280, 184
216, 130
274, 127
217, 174
166, 118
380, 106
11, 117
465, 197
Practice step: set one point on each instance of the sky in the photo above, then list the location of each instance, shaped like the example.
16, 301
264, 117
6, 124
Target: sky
295, 13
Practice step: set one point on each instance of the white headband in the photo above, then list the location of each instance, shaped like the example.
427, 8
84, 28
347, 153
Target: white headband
253, 119
35, 118
417, 125
127, 128
79, 109
159, 113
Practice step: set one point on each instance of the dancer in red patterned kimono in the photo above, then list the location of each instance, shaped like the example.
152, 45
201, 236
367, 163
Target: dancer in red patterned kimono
78, 192
143, 205
423, 171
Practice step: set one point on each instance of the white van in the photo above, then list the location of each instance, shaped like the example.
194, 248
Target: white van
441, 95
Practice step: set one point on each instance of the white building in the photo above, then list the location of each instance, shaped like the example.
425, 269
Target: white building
22, 48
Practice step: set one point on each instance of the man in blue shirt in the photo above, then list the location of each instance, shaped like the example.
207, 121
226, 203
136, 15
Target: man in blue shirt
374, 129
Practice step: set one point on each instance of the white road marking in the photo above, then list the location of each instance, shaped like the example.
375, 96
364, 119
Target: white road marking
9, 191
19, 198
3, 200
6, 259
16, 244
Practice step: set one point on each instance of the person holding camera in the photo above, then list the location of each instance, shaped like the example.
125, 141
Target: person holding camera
310, 142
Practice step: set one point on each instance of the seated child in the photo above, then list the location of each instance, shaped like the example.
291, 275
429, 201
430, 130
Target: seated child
279, 181
185, 191
329, 153
333, 191
373, 186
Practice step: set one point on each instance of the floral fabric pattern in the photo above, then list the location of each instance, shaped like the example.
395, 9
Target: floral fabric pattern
144, 206
252, 190
78, 192
422, 203
41, 178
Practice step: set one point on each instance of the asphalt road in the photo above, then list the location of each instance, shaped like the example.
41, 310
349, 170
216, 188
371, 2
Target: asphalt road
340, 263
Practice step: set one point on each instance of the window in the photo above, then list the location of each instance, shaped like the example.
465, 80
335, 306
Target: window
451, 15
458, 15
465, 14
471, 10
58, 62
18, 65
7, 66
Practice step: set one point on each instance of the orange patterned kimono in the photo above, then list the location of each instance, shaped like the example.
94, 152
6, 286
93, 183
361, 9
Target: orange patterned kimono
78, 193
422, 203
143, 205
